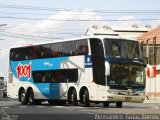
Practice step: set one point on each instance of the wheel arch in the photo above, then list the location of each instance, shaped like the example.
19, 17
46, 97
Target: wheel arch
29, 88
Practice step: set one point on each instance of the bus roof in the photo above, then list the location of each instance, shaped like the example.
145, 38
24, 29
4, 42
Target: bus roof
74, 39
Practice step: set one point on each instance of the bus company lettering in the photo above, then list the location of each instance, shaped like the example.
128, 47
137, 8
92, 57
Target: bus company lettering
24, 70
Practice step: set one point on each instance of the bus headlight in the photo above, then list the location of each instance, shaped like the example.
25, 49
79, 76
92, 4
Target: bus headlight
141, 93
112, 91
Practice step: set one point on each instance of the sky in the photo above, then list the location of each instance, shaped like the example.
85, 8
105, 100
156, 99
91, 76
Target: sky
31, 21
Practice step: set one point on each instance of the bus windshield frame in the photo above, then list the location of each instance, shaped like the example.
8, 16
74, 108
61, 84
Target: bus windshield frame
120, 48
126, 64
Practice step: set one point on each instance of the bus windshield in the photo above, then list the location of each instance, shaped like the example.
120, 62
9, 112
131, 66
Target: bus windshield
126, 76
122, 49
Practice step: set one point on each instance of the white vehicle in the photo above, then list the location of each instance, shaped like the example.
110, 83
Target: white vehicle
98, 69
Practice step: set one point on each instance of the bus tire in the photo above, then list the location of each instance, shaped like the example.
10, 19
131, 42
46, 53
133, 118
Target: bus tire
105, 104
119, 104
23, 98
86, 100
72, 97
31, 99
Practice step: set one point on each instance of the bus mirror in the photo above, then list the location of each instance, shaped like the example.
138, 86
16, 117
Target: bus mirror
107, 68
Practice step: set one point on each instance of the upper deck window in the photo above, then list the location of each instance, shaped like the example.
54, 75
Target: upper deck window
69, 48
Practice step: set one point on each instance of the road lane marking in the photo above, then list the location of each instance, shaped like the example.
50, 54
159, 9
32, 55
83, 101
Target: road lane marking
5, 107
59, 106
41, 106
23, 106
69, 108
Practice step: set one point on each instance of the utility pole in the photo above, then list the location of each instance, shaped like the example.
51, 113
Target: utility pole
147, 51
155, 50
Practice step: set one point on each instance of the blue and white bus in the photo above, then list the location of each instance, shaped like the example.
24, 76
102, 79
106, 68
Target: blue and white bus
89, 69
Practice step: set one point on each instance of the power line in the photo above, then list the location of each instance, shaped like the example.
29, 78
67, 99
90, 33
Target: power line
47, 32
77, 10
82, 20
31, 38
76, 14
27, 36
62, 33
55, 29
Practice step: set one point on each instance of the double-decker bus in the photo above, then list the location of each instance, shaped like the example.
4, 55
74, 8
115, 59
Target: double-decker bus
89, 69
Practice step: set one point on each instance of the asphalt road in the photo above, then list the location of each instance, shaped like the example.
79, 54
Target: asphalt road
13, 110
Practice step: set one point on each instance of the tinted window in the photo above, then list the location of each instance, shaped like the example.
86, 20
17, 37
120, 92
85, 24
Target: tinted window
67, 49
70, 48
81, 47
55, 76
20, 54
56, 49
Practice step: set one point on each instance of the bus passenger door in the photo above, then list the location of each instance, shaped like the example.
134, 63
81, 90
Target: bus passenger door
98, 64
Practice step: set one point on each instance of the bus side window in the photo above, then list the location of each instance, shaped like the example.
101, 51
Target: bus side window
56, 49
85, 50
52, 77
82, 47
54, 53
67, 48
37, 77
27, 53
34, 52
72, 75
18, 54
14, 55
43, 54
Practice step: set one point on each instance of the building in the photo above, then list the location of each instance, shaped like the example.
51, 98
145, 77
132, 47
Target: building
151, 45
131, 32
151, 50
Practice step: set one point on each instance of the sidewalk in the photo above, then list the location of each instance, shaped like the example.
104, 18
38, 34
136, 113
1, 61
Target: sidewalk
152, 100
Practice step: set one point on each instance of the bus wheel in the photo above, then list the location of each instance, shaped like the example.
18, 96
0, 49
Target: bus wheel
106, 104
86, 98
31, 99
23, 97
72, 97
119, 104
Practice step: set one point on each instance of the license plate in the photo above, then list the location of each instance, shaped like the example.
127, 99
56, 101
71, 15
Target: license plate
128, 98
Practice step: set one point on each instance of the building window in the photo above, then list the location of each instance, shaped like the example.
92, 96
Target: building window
153, 54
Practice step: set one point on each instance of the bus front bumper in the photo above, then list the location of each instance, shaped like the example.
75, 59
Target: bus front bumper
126, 98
